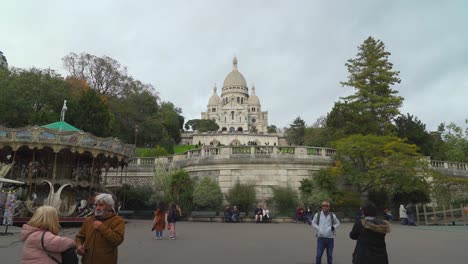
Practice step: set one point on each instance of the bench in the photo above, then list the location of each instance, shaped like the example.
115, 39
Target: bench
203, 216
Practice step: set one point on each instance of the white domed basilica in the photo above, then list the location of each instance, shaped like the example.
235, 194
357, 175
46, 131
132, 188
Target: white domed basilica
236, 110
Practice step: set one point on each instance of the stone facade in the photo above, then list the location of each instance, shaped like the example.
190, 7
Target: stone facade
3, 61
236, 110
262, 166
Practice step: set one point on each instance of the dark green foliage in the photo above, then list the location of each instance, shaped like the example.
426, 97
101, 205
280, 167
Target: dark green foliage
31, 97
157, 151
91, 113
285, 200
322, 185
451, 143
182, 190
295, 132
207, 195
136, 198
416, 196
372, 162
348, 202
202, 125
272, 129
242, 196
375, 104
414, 130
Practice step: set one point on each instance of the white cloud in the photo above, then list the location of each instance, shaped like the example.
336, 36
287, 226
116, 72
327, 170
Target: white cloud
293, 51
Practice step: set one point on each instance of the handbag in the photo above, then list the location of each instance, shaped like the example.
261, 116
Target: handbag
68, 256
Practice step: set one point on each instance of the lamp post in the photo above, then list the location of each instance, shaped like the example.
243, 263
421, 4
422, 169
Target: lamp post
136, 133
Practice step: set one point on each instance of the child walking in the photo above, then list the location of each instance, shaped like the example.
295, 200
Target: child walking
159, 222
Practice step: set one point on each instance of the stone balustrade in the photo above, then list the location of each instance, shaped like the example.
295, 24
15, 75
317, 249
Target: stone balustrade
274, 152
268, 152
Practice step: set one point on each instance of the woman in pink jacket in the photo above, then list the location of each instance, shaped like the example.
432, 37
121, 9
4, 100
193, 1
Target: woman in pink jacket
45, 219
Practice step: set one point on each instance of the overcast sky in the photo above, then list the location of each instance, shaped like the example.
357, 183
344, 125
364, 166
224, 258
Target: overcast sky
293, 51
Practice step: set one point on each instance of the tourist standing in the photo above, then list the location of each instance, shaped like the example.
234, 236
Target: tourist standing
370, 235
172, 219
101, 234
325, 223
41, 234
411, 212
403, 215
159, 221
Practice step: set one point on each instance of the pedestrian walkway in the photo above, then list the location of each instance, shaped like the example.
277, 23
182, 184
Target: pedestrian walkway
266, 243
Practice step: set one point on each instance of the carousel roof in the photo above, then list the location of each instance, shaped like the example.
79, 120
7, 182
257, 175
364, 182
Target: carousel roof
61, 126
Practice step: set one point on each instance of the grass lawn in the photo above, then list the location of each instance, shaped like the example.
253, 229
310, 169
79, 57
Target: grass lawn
182, 148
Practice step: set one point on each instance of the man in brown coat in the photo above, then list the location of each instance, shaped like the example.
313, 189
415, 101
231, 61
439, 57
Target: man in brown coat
101, 234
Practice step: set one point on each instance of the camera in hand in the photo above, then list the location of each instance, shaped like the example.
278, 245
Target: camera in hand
332, 228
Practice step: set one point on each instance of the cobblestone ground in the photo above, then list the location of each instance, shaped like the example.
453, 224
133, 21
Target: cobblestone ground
266, 243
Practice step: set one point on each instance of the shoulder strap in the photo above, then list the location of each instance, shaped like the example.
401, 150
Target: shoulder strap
318, 217
47, 252
332, 218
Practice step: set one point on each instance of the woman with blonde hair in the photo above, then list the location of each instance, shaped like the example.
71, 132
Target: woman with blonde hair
41, 240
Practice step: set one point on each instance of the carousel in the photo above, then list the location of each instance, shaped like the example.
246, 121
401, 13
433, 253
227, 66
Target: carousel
57, 165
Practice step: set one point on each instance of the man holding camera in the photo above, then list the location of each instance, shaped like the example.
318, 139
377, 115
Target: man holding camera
325, 223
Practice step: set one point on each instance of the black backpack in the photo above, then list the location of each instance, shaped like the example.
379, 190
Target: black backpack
68, 256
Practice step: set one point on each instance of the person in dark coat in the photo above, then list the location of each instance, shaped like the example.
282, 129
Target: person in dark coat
370, 235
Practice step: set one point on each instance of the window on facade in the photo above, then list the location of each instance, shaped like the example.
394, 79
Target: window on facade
238, 99
213, 109
242, 100
232, 115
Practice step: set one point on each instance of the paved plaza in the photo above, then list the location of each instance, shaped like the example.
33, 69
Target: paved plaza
266, 243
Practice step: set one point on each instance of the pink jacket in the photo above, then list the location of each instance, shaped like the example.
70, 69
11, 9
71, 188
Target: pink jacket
32, 249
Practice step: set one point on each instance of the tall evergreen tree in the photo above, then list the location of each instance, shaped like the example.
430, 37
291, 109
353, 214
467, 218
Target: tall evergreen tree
296, 131
374, 105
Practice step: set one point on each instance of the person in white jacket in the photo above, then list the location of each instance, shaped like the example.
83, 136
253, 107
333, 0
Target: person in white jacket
325, 222
403, 215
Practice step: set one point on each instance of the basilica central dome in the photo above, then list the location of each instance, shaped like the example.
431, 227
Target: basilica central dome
234, 81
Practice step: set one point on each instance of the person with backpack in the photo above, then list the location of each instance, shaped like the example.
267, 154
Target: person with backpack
42, 244
325, 223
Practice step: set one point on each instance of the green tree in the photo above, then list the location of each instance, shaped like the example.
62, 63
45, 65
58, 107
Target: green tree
322, 185
104, 74
380, 162
375, 104
31, 97
242, 196
272, 129
136, 198
414, 131
455, 143
91, 113
285, 199
207, 195
202, 125
182, 189
295, 132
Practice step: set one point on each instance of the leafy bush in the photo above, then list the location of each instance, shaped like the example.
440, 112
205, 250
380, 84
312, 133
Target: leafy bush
136, 198
157, 151
285, 200
207, 195
348, 202
181, 190
242, 196
321, 186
